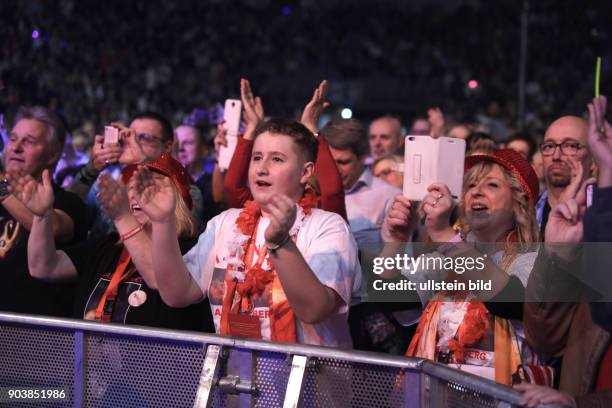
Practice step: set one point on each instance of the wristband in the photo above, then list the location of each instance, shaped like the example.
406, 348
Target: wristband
273, 249
131, 233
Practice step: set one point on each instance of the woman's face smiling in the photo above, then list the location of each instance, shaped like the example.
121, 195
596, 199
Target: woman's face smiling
489, 205
277, 168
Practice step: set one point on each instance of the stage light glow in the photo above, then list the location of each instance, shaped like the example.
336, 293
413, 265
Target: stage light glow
473, 84
346, 113
35, 34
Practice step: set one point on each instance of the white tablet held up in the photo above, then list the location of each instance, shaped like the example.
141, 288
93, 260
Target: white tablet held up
428, 160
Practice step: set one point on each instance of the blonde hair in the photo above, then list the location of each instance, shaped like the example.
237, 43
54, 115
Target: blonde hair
525, 229
185, 223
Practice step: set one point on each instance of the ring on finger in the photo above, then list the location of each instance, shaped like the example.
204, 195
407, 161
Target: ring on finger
440, 195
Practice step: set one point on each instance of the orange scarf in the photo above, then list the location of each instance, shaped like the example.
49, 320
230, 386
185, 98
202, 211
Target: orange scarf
471, 330
256, 279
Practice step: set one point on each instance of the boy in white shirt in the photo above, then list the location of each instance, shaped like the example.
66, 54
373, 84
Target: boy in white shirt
272, 270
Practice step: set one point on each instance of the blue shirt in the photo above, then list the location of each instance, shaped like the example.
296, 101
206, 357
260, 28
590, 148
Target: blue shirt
367, 203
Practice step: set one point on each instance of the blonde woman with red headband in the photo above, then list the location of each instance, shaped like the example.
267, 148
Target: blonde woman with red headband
497, 220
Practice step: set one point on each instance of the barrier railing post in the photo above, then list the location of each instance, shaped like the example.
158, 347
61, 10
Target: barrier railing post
79, 368
209, 376
295, 384
413, 389
240, 375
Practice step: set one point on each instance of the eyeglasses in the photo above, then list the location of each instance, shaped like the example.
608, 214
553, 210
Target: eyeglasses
567, 148
148, 139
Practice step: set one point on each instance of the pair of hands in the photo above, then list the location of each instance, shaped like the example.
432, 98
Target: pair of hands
36, 196
254, 112
106, 154
400, 220
157, 198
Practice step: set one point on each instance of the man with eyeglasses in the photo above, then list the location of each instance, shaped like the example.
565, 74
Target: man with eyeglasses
567, 164
149, 135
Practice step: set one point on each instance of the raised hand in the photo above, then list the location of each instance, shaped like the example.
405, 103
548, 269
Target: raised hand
133, 152
113, 197
398, 225
600, 140
576, 182
565, 222
103, 155
36, 196
315, 107
154, 194
437, 206
253, 108
282, 212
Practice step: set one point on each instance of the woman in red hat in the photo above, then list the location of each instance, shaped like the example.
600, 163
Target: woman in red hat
471, 329
110, 288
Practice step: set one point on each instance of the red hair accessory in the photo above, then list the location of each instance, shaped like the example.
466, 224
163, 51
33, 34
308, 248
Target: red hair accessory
516, 164
170, 168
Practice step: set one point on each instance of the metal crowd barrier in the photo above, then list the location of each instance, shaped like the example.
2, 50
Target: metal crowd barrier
106, 365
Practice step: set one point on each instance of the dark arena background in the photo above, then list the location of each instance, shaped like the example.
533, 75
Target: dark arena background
99, 61
496, 71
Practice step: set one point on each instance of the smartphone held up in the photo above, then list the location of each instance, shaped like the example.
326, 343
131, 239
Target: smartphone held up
111, 135
231, 116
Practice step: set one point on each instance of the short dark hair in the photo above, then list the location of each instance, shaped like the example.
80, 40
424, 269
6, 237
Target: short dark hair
306, 141
347, 134
527, 138
167, 130
57, 128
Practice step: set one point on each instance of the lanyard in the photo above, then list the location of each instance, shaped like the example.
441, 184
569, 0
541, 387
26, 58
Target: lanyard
123, 271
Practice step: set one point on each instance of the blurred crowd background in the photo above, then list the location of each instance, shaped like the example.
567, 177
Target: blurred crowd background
95, 61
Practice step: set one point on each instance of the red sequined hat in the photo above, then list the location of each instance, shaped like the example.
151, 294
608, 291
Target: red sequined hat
516, 164
169, 167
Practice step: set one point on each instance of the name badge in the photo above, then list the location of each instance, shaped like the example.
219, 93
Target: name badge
244, 326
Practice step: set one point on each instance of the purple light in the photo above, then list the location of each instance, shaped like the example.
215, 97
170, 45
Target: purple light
286, 10
35, 34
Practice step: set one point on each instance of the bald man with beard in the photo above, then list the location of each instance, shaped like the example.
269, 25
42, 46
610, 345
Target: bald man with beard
565, 143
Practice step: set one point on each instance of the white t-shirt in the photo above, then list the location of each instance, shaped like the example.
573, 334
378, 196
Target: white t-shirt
325, 242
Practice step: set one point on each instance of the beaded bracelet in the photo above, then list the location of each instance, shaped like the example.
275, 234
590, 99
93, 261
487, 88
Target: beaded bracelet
132, 232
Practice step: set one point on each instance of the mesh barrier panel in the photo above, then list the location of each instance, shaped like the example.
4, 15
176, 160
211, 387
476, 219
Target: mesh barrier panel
337, 383
459, 396
136, 372
37, 358
123, 369
271, 376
